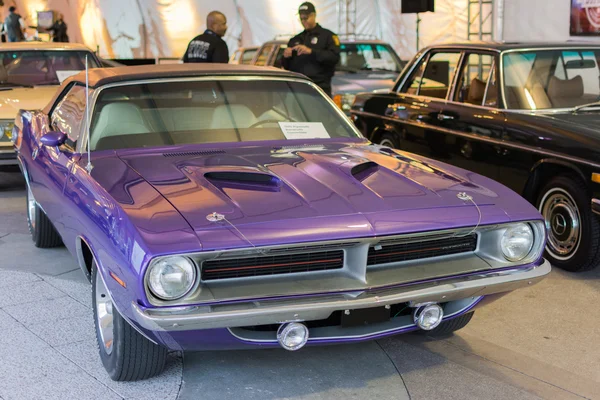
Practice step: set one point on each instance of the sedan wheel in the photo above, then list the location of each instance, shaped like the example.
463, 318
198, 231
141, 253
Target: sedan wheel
573, 230
389, 140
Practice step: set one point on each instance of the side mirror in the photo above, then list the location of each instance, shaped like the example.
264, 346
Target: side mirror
53, 139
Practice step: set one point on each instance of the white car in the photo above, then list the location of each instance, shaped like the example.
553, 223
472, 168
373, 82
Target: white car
30, 73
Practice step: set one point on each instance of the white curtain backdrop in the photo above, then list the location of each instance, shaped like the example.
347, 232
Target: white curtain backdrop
162, 28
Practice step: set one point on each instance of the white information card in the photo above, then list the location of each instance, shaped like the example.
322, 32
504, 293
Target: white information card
304, 130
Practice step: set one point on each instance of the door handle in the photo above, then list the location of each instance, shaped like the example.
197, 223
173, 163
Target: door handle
444, 117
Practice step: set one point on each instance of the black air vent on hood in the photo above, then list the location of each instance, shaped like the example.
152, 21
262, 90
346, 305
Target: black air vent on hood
194, 153
364, 170
252, 179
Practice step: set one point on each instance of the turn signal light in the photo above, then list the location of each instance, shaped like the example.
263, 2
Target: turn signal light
596, 177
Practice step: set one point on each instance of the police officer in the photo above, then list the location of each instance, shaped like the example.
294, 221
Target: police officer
209, 47
315, 51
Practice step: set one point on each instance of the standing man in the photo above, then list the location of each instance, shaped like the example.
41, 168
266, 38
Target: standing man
59, 30
14, 26
209, 47
315, 51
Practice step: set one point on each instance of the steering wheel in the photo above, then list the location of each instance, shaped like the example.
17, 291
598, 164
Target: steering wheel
267, 121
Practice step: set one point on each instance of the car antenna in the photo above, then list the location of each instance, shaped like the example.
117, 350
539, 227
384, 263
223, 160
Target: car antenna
89, 166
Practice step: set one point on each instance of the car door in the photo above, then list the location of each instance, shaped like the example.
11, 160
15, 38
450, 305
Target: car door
419, 105
471, 118
56, 162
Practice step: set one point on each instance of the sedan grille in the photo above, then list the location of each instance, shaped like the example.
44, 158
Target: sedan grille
388, 253
272, 265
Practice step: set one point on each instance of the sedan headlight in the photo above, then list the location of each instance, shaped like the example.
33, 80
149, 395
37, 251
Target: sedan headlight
171, 278
517, 242
6, 127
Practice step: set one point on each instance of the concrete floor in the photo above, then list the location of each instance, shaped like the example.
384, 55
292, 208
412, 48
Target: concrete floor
539, 342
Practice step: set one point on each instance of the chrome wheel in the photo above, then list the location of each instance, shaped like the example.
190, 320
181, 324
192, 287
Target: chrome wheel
563, 222
31, 208
104, 314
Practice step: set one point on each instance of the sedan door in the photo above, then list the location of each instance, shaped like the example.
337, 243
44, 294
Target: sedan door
472, 122
419, 105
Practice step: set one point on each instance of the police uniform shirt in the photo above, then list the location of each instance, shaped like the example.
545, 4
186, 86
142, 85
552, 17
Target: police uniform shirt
320, 65
208, 47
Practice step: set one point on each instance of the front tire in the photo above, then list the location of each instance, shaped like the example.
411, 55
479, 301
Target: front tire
389, 140
41, 229
573, 230
452, 325
125, 353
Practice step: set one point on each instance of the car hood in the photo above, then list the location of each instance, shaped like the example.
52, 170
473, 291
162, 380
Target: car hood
284, 195
13, 100
362, 82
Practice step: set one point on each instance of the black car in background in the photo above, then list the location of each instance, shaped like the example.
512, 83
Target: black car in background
365, 65
524, 114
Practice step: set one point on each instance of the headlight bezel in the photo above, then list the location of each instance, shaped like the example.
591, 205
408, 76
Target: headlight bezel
190, 288
490, 248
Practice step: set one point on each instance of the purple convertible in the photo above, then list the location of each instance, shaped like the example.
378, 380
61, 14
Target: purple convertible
233, 207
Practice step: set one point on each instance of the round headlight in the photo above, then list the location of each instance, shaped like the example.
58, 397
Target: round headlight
517, 242
172, 277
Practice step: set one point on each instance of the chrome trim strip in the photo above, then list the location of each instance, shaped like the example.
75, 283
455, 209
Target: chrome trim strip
596, 206
366, 335
316, 308
513, 145
82, 141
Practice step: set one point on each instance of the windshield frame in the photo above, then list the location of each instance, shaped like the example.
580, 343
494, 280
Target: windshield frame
389, 49
81, 146
91, 55
579, 48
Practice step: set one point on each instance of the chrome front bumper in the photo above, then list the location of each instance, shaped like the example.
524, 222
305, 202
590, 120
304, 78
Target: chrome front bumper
8, 156
317, 307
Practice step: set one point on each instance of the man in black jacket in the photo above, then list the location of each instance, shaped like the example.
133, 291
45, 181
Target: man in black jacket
314, 52
209, 47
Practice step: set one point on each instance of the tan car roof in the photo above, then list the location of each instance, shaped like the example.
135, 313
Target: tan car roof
21, 46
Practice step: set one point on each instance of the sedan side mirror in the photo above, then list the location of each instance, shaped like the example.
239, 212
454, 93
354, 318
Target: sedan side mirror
53, 139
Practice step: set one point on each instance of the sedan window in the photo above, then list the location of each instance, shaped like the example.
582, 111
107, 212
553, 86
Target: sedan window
436, 78
472, 86
218, 111
546, 79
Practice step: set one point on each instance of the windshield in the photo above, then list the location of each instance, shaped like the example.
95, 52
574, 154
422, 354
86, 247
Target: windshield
194, 112
546, 79
38, 67
368, 57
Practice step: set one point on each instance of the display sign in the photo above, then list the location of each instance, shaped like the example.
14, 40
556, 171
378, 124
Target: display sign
585, 18
304, 130
45, 19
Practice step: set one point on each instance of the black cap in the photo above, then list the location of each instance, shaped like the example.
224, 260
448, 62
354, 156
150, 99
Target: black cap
306, 8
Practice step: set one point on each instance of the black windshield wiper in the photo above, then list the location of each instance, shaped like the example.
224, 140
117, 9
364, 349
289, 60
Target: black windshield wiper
346, 69
595, 104
377, 69
15, 84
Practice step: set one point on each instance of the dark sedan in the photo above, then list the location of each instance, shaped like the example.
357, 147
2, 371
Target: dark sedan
523, 114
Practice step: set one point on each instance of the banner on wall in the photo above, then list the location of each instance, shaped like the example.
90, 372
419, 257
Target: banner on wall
585, 18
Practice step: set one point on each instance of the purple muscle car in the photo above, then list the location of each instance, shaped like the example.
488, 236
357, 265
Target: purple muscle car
233, 207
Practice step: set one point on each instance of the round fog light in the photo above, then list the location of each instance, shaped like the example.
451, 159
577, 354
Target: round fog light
428, 317
292, 336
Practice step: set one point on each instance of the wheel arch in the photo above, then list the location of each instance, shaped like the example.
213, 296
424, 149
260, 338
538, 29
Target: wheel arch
85, 256
544, 170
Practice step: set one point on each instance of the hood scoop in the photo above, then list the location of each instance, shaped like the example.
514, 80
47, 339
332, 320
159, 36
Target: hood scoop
363, 171
194, 153
243, 180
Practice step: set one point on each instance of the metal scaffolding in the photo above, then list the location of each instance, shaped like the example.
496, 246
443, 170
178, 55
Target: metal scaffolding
346, 11
480, 16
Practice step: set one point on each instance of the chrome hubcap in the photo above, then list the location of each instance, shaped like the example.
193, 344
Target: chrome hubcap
562, 222
104, 315
30, 208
